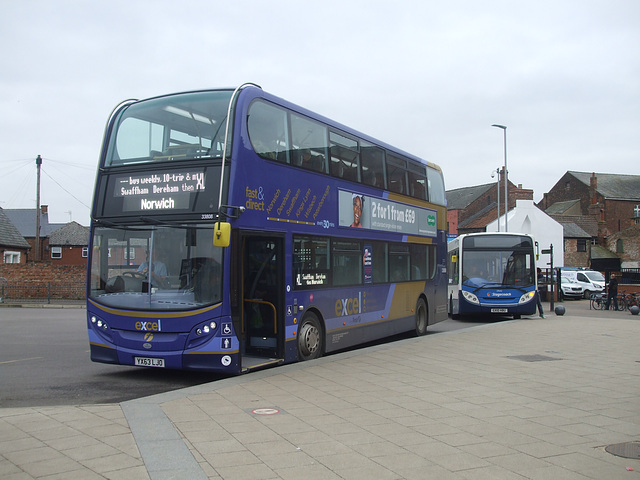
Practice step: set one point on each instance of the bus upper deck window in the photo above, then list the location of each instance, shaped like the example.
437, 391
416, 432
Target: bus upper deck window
308, 143
397, 174
268, 131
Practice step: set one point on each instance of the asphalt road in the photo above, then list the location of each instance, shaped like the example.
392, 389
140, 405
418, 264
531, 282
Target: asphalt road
44, 360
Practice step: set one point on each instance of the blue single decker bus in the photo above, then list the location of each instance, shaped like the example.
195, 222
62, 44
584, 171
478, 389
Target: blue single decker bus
492, 273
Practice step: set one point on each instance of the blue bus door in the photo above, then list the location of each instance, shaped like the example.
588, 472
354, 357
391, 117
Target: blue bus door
262, 300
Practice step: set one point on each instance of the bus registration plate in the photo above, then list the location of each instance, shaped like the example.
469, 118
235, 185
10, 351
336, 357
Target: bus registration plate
499, 310
149, 362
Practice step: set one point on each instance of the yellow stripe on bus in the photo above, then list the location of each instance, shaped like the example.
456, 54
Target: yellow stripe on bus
129, 313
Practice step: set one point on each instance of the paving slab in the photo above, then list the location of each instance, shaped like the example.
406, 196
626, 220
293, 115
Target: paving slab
527, 399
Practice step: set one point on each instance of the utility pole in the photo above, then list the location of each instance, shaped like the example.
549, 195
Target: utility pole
506, 177
498, 190
38, 164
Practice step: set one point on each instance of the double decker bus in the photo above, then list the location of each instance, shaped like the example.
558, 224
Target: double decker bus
232, 230
492, 273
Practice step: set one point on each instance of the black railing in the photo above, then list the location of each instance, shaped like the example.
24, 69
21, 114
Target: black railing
630, 276
41, 292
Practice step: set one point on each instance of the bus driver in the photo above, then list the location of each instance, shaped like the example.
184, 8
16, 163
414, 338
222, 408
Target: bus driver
158, 269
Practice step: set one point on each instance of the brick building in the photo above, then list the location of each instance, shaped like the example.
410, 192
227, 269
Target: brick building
68, 245
470, 209
612, 200
626, 245
580, 232
604, 206
577, 245
24, 220
15, 249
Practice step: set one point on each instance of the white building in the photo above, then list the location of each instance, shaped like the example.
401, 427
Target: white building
527, 218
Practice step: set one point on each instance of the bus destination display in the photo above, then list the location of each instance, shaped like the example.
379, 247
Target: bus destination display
159, 191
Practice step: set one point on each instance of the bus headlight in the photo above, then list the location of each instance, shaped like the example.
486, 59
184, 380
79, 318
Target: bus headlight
206, 328
99, 322
527, 297
470, 297
202, 334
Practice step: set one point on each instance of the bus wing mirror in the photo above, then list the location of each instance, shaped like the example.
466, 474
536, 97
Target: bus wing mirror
222, 234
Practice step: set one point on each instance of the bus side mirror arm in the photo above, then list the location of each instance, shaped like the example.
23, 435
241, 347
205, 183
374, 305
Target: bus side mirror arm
229, 211
222, 234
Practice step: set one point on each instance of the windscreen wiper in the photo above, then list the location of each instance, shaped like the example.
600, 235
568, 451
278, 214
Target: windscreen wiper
150, 220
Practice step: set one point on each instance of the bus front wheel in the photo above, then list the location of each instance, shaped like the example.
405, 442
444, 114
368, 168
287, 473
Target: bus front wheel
309, 337
422, 317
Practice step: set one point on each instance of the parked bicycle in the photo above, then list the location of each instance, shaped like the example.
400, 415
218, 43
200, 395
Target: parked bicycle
626, 301
598, 301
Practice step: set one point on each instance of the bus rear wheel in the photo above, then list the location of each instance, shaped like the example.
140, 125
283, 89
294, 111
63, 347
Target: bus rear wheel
309, 337
422, 317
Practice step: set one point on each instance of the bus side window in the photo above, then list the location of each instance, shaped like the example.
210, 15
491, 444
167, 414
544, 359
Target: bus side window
372, 160
311, 262
347, 263
345, 157
399, 263
308, 158
397, 174
436, 186
417, 181
267, 127
308, 143
380, 264
418, 262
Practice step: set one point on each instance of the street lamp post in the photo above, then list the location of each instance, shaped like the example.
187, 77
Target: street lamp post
498, 190
506, 178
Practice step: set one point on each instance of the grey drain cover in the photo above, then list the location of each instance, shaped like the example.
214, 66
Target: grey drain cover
626, 450
533, 358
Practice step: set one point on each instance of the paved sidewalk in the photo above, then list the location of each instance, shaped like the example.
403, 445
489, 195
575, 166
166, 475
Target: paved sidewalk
77, 442
527, 399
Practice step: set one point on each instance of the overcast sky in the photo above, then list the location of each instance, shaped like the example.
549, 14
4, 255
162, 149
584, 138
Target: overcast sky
429, 77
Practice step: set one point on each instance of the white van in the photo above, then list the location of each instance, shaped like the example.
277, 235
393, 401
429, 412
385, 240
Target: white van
590, 280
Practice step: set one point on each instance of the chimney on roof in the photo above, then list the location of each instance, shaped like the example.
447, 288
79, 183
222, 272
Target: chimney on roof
593, 187
44, 209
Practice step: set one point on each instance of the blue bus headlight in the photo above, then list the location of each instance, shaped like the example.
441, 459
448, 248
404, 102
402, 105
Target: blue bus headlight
527, 297
470, 297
